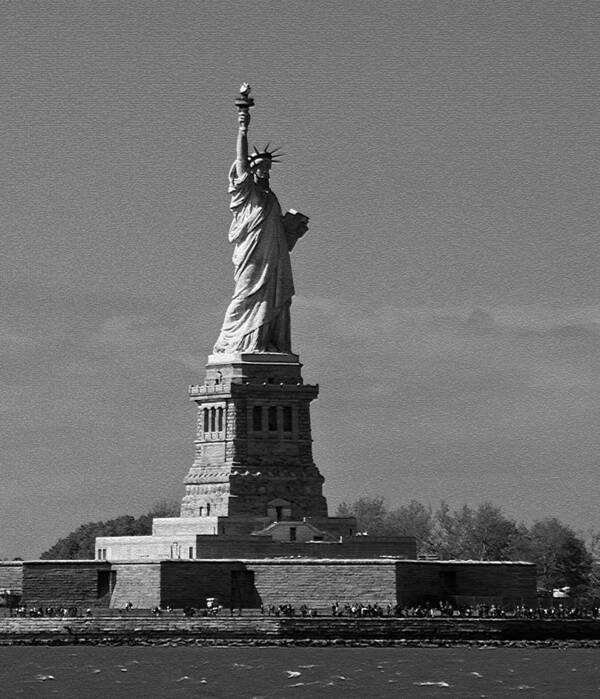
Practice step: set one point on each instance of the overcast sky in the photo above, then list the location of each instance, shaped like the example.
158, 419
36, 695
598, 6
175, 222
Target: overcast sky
448, 295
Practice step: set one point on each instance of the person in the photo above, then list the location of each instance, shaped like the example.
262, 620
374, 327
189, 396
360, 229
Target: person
258, 316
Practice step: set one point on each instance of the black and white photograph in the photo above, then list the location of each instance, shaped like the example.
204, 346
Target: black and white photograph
300, 348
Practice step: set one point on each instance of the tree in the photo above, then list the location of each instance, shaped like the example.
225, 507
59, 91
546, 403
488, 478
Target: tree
414, 519
486, 534
594, 543
449, 534
373, 517
594, 549
80, 543
165, 508
370, 514
560, 555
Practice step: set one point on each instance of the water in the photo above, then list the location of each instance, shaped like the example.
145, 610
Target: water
112, 672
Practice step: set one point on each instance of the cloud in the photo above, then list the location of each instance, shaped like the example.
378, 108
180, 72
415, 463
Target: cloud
481, 321
10, 341
125, 331
459, 373
16, 399
144, 339
195, 362
445, 330
15, 338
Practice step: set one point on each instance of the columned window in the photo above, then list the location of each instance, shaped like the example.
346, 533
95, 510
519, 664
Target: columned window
257, 418
287, 418
273, 418
213, 422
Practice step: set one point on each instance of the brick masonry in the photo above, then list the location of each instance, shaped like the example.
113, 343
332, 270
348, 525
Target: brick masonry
240, 466
259, 547
319, 583
138, 583
11, 576
251, 583
66, 583
466, 582
255, 583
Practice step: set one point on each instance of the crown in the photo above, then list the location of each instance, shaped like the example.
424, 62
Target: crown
265, 154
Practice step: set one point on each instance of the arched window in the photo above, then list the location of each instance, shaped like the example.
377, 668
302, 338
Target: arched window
208, 509
205, 411
213, 416
219, 419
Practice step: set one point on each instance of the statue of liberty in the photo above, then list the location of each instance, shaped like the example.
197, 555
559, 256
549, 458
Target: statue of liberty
258, 316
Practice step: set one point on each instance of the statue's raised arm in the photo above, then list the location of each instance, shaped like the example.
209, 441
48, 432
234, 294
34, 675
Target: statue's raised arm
258, 316
243, 103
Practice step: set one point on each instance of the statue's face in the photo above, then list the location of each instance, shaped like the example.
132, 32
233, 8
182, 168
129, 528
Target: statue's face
261, 169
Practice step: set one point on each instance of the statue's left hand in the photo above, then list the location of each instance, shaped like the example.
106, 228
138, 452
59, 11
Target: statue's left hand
244, 119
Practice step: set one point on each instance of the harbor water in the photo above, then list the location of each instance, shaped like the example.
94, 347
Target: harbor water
253, 672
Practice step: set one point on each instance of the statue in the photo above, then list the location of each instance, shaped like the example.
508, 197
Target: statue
258, 316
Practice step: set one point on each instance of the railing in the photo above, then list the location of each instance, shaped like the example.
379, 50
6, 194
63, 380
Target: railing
204, 389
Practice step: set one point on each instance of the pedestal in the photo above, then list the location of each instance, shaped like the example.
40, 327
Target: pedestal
253, 441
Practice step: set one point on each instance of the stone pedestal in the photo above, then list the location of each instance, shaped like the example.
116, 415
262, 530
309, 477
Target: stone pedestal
253, 441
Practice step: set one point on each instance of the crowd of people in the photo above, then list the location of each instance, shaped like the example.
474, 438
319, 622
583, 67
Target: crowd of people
63, 612
353, 609
481, 611
288, 610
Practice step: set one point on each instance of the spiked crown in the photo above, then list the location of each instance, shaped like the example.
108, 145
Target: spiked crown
265, 154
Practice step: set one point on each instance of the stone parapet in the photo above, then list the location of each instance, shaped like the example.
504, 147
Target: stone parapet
127, 548
132, 628
184, 526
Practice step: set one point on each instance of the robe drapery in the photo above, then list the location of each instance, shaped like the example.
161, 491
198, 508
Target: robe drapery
258, 316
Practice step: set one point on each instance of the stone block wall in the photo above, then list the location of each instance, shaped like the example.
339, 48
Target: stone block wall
137, 628
466, 582
321, 583
257, 546
252, 583
189, 584
11, 576
129, 548
241, 467
177, 526
64, 583
138, 583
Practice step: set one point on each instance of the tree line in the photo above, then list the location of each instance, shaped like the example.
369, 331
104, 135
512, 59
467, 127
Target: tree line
484, 533
80, 543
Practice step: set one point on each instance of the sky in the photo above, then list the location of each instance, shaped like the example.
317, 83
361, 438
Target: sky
447, 294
